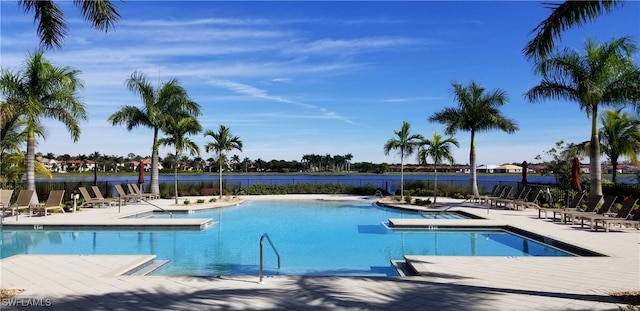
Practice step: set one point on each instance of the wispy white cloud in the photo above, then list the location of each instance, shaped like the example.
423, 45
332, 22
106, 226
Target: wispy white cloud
352, 46
252, 91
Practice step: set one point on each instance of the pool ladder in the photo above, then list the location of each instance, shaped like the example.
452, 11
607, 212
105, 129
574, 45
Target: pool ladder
274, 249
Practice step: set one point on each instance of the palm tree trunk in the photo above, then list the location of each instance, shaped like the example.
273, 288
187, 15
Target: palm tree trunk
402, 177
614, 168
472, 162
155, 185
594, 166
220, 173
175, 179
31, 151
435, 182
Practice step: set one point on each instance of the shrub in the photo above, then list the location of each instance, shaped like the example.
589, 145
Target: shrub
200, 201
187, 202
408, 199
212, 200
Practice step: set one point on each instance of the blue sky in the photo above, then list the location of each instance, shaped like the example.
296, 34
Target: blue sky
295, 78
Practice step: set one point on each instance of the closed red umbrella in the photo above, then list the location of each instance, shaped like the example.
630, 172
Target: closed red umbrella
525, 167
141, 173
575, 174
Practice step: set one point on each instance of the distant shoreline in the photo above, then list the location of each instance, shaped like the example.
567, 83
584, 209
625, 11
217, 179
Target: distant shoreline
103, 175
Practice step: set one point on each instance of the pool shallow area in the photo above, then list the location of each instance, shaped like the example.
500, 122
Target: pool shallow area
312, 238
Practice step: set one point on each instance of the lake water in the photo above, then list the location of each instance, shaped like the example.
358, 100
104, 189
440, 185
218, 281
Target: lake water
388, 182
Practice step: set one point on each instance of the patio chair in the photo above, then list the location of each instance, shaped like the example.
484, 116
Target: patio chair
573, 206
89, 201
520, 196
567, 214
127, 197
607, 222
495, 192
607, 205
530, 200
22, 202
98, 194
503, 195
54, 201
146, 195
5, 198
621, 217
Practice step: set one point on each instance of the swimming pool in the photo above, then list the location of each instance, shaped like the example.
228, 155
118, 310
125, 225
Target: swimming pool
312, 237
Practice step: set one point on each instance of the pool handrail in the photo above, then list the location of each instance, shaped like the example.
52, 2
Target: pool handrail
265, 235
146, 201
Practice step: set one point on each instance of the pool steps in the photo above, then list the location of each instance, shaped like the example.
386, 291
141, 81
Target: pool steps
146, 268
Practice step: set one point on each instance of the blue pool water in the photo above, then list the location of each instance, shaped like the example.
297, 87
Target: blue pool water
312, 237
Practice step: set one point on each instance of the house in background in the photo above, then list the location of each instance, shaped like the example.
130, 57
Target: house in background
508, 168
486, 168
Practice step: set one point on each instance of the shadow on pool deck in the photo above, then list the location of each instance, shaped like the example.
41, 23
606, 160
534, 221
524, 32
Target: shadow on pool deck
328, 293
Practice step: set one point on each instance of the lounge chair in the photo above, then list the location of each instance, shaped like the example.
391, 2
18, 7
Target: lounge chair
98, 194
530, 200
495, 192
127, 197
573, 206
54, 201
503, 195
565, 215
519, 195
606, 223
146, 195
607, 205
22, 202
93, 202
5, 199
621, 217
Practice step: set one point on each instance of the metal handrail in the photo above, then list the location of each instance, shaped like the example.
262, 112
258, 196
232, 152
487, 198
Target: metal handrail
158, 207
274, 249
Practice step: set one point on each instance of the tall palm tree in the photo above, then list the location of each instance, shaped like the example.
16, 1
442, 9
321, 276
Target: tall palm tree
438, 149
223, 142
405, 143
177, 131
619, 137
477, 111
43, 91
604, 75
170, 101
52, 27
564, 16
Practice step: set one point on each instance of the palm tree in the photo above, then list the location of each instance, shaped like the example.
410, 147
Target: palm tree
43, 90
564, 16
52, 27
177, 131
405, 143
13, 137
246, 161
619, 137
223, 141
235, 159
605, 75
477, 112
170, 101
438, 149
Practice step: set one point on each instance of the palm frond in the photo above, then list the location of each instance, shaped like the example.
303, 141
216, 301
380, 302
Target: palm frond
564, 16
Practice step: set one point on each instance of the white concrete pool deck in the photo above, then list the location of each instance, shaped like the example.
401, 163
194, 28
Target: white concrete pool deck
78, 282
